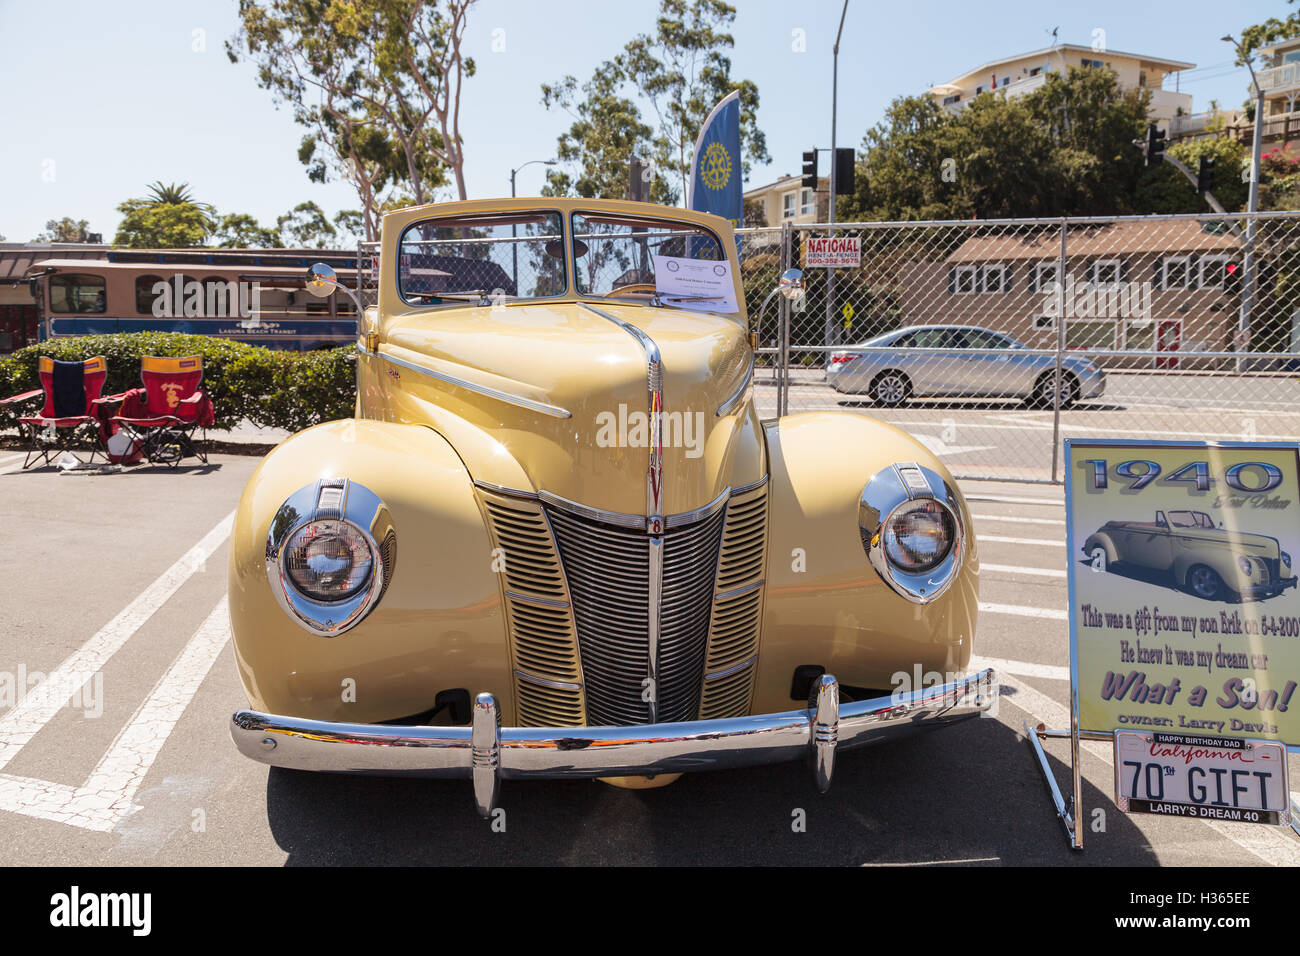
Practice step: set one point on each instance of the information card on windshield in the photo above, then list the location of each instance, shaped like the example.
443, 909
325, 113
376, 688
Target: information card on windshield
703, 284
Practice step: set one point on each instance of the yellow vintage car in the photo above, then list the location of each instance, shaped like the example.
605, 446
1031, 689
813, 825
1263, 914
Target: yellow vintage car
559, 540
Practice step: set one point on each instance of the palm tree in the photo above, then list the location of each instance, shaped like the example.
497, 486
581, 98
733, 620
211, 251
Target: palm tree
171, 195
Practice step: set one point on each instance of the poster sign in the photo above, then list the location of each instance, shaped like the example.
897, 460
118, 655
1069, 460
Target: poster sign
1184, 611
833, 252
703, 284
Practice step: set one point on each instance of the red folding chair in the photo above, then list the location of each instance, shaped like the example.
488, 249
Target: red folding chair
164, 415
71, 391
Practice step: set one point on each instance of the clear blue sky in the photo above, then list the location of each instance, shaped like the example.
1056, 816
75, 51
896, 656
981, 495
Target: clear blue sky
106, 97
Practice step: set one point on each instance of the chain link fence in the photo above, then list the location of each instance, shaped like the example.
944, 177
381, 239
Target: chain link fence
993, 340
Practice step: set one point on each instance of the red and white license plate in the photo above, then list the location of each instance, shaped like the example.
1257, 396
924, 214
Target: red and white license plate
1206, 778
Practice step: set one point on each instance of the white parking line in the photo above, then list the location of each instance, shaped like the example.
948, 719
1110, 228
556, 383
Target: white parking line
1021, 668
107, 796
1274, 845
1009, 500
1014, 569
1019, 610
1016, 519
24, 720
1044, 542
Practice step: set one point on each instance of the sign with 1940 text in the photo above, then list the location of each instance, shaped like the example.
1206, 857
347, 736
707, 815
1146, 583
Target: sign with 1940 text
1184, 610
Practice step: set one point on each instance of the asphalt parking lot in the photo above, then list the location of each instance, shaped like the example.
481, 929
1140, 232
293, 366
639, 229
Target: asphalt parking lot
124, 575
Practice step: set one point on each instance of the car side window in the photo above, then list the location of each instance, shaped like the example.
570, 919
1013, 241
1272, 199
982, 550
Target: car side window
904, 341
1161, 520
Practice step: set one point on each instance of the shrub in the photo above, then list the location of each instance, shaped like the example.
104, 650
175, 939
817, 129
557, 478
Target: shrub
271, 388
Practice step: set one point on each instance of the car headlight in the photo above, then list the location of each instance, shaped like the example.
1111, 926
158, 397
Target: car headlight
330, 555
328, 560
919, 534
1286, 559
911, 526
1247, 566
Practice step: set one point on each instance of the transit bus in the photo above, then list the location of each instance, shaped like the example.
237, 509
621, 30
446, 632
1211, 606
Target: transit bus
258, 299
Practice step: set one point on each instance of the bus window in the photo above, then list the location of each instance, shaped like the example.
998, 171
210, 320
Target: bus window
71, 292
145, 295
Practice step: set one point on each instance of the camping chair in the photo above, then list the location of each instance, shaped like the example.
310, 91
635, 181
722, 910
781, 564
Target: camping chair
71, 391
164, 415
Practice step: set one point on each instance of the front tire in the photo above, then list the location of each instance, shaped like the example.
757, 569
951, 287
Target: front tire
1205, 583
1044, 390
891, 389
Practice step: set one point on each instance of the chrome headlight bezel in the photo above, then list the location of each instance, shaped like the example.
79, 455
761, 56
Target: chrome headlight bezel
892, 491
348, 502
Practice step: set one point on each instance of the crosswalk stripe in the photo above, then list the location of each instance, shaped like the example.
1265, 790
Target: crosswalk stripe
1044, 542
1017, 610
1013, 569
1016, 519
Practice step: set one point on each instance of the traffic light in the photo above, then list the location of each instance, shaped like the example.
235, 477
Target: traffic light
810, 169
1155, 145
1204, 175
843, 170
1232, 278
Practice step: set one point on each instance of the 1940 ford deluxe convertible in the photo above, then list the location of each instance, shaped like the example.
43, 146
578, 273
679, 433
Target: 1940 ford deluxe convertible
558, 541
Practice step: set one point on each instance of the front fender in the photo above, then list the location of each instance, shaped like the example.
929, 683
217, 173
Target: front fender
1104, 541
439, 626
824, 604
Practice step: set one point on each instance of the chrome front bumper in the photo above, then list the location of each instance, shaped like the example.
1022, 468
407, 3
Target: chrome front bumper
485, 752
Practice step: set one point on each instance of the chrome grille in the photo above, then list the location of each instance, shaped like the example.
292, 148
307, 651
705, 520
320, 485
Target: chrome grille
543, 640
607, 568
737, 608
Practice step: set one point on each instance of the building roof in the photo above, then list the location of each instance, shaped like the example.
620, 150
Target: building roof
1124, 237
1173, 65
16, 259
784, 182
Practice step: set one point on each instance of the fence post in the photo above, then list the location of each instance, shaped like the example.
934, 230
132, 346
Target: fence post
783, 327
1060, 352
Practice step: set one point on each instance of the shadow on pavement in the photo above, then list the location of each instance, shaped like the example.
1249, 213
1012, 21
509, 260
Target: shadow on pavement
969, 794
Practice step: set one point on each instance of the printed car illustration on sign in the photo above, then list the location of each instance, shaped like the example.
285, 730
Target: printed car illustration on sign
1211, 562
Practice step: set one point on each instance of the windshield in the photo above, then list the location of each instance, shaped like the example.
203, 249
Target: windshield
615, 254
1190, 519
459, 259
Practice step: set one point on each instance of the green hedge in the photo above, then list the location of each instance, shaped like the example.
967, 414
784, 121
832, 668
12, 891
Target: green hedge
269, 387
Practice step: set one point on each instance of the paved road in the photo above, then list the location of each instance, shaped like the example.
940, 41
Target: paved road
1003, 438
124, 575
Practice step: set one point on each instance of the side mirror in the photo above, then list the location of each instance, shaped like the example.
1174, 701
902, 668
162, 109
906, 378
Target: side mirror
791, 284
322, 280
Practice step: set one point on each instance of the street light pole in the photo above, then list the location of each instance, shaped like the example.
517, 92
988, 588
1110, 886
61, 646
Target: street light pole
514, 230
828, 332
1248, 264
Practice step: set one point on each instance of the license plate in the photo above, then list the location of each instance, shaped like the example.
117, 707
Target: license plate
1206, 778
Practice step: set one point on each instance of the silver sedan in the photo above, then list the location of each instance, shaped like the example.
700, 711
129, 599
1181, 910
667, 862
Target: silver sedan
958, 361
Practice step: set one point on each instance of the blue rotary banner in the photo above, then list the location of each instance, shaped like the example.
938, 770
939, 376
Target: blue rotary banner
715, 168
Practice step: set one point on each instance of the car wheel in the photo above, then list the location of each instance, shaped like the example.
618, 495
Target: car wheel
891, 388
1205, 583
1097, 558
1044, 390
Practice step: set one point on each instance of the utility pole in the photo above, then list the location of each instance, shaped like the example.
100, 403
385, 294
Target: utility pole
829, 336
1249, 266
514, 230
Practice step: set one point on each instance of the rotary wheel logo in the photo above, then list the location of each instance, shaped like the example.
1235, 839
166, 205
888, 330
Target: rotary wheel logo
715, 170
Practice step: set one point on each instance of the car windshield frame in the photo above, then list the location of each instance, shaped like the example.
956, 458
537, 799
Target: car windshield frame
1196, 519
646, 269
496, 294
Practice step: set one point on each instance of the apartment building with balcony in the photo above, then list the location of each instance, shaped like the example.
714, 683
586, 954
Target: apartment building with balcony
1025, 72
1280, 81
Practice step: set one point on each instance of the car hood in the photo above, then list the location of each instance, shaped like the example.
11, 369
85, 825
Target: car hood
576, 360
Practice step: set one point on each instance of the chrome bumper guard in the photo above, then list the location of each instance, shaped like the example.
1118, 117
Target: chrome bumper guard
485, 752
